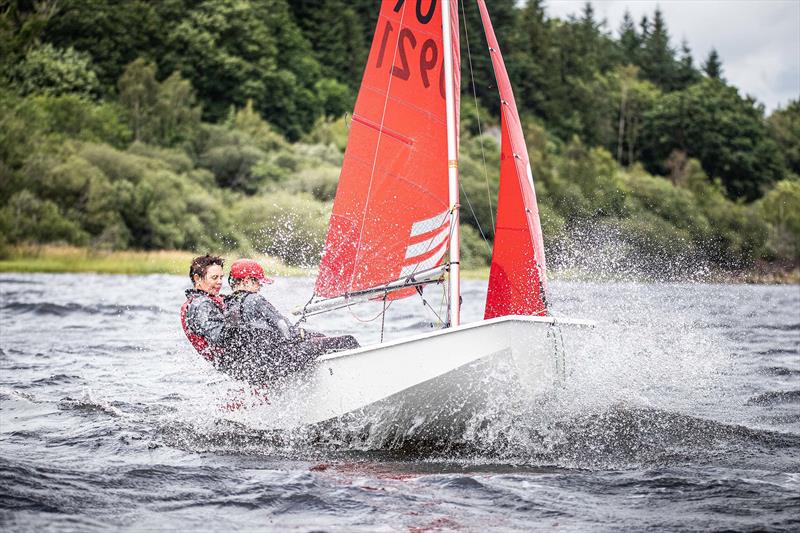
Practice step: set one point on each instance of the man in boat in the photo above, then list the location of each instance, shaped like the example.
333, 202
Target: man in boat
260, 343
202, 315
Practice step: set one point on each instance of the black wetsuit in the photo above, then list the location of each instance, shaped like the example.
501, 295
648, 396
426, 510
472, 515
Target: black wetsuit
261, 345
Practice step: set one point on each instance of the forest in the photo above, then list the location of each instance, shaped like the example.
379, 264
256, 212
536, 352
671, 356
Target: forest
220, 125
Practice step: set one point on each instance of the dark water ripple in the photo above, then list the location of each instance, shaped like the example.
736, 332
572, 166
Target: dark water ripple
684, 416
775, 397
62, 310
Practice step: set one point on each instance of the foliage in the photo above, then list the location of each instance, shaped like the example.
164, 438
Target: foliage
713, 66
784, 127
53, 71
112, 33
709, 121
479, 184
289, 226
329, 132
27, 217
256, 52
475, 252
102, 141
781, 208
163, 113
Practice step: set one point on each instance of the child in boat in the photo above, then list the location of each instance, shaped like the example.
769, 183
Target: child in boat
202, 315
260, 343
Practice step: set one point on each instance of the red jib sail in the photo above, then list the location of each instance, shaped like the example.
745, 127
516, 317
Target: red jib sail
391, 215
517, 282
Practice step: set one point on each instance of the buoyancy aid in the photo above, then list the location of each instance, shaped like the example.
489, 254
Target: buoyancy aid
206, 349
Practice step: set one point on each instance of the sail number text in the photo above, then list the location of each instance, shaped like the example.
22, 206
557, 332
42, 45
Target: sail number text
407, 45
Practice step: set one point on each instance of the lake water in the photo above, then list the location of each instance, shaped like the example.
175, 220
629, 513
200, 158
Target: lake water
685, 415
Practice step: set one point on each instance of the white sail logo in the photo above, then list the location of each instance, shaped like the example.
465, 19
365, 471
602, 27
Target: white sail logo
435, 231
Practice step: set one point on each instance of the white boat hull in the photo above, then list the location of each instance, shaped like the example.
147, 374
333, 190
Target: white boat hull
433, 383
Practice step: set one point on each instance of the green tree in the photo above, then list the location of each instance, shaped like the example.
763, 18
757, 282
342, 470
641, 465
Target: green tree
138, 92
473, 50
657, 57
334, 97
176, 115
26, 218
784, 127
21, 26
686, 74
629, 41
711, 122
234, 51
531, 62
628, 99
49, 70
113, 33
781, 208
334, 30
713, 65
163, 113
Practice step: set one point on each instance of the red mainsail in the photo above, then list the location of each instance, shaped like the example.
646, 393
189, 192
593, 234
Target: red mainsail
517, 281
391, 216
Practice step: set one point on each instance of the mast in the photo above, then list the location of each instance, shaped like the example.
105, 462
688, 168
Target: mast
454, 307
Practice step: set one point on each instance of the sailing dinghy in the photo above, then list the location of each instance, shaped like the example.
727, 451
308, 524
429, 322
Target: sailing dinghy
394, 229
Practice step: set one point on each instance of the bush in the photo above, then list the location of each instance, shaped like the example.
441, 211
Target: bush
595, 173
232, 166
288, 226
320, 182
475, 252
656, 241
334, 97
780, 207
49, 70
28, 218
329, 132
118, 165
479, 185
177, 160
659, 197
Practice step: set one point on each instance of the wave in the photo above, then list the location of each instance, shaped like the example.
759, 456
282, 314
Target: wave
62, 310
779, 327
775, 398
616, 438
780, 371
56, 379
89, 405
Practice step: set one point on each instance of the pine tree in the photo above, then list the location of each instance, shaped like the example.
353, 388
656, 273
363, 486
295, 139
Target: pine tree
644, 28
532, 62
686, 73
629, 41
658, 58
713, 65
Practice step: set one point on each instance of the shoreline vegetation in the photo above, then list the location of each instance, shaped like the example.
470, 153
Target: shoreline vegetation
72, 259
162, 126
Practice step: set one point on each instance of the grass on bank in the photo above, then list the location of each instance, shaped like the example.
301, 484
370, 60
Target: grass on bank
52, 258
60, 258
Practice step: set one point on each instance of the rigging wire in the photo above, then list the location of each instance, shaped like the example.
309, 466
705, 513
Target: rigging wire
367, 320
383, 316
478, 118
429, 306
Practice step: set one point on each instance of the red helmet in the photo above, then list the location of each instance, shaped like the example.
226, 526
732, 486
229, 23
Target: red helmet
247, 268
